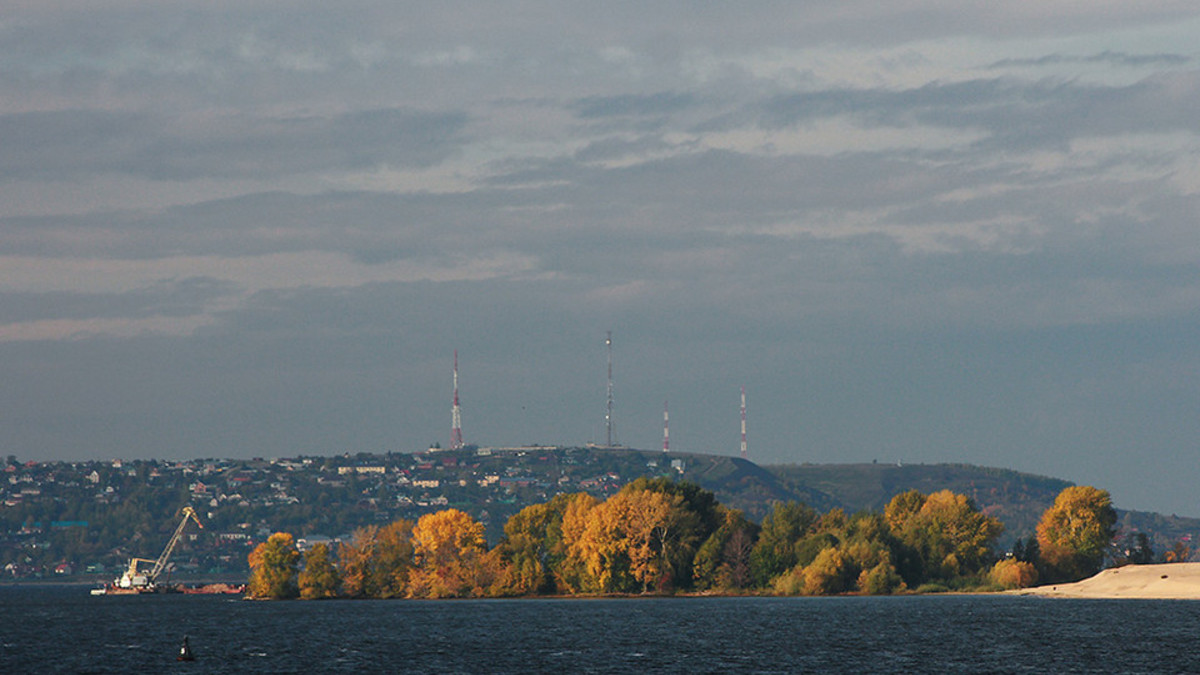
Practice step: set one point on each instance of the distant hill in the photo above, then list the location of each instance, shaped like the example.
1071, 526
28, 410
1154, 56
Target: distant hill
1017, 499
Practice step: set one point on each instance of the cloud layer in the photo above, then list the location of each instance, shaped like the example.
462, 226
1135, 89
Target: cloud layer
920, 232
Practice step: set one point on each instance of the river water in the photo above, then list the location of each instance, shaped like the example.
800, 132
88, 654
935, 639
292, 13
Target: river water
63, 629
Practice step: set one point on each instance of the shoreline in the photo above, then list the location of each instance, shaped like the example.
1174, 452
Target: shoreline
1162, 581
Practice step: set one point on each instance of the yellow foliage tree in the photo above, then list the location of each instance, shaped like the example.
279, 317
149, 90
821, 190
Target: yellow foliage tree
450, 553
661, 532
393, 559
600, 546
572, 575
273, 568
949, 533
1075, 532
830, 573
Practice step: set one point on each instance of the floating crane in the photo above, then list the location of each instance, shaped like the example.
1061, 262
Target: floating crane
135, 580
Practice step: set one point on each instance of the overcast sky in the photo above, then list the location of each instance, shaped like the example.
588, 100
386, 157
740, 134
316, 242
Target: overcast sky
918, 231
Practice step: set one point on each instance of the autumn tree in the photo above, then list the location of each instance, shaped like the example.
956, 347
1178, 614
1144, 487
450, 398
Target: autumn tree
1012, 573
661, 532
601, 545
1180, 552
320, 578
274, 567
392, 562
1074, 533
700, 516
450, 553
947, 531
572, 574
636, 540
355, 557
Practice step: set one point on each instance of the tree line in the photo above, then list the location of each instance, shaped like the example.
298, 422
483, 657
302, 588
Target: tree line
660, 536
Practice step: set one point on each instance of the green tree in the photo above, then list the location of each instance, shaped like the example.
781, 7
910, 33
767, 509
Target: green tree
532, 556
1143, 553
782, 531
274, 568
1074, 533
723, 561
320, 578
525, 551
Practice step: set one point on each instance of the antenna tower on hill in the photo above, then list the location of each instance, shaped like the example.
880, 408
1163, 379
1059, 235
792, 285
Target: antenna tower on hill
666, 429
456, 437
608, 415
743, 422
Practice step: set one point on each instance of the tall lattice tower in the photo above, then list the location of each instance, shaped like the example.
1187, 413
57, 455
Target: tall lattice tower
608, 414
743, 422
666, 429
456, 439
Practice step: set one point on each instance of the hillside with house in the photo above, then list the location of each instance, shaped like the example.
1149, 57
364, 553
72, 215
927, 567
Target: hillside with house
86, 519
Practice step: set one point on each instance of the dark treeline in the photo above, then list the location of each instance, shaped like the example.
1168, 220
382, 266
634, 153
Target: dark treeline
660, 536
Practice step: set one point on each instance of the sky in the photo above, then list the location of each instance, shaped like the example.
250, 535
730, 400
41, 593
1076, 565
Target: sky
914, 231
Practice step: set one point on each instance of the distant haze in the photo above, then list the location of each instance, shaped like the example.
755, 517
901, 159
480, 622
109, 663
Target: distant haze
914, 231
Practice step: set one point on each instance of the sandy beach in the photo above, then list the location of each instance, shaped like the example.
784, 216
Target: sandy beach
1176, 581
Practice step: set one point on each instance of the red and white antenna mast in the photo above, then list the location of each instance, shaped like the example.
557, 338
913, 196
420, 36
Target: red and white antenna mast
666, 429
456, 439
743, 422
608, 414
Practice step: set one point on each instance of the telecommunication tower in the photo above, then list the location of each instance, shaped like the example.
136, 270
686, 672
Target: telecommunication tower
456, 437
666, 429
743, 422
608, 415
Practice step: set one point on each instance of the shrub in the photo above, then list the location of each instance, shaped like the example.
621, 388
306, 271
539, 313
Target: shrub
1012, 573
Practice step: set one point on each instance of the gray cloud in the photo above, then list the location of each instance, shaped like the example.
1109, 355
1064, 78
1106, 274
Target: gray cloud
170, 298
72, 143
1105, 57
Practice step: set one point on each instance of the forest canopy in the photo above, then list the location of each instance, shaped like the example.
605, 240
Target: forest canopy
660, 536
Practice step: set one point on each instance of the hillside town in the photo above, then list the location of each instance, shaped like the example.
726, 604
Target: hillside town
66, 519
85, 521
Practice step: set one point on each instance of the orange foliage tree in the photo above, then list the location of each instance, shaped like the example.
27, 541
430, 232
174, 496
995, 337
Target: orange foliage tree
451, 556
635, 540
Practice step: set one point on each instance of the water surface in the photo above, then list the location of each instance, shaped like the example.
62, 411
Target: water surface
63, 629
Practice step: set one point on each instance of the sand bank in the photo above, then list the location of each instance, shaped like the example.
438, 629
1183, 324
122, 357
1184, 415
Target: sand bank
1176, 581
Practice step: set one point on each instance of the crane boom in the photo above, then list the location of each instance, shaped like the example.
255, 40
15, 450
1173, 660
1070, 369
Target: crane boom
161, 563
